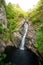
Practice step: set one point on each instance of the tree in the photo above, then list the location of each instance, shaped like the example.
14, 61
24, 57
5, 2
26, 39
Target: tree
2, 2
37, 13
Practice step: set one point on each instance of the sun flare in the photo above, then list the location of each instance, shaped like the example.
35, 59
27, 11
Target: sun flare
24, 4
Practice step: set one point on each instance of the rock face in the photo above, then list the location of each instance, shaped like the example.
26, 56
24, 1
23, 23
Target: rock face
30, 37
3, 17
1, 46
3, 20
17, 39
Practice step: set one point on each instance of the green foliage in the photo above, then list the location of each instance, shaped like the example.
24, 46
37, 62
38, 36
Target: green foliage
2, 2
2, 63
39, 38
6, 36
2, 56
14, 16
36, 15
1, 28
34, 21
4, 32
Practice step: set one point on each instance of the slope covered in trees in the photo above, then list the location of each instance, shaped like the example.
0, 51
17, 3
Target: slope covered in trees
36, 17
14, 15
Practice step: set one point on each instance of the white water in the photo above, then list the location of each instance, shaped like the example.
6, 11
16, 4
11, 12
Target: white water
23, 39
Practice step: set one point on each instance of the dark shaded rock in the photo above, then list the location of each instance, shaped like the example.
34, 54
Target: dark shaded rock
1, 46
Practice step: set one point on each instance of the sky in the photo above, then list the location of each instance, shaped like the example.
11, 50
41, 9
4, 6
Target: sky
24, 4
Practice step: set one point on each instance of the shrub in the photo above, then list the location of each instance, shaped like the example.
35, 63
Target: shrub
39, 38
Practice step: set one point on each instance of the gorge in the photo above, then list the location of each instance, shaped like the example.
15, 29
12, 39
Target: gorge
22, 55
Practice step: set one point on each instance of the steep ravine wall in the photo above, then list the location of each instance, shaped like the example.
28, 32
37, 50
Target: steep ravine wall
3, 16
3, 20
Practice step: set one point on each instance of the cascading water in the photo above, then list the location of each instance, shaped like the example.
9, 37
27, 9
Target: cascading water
23, 39
19, 56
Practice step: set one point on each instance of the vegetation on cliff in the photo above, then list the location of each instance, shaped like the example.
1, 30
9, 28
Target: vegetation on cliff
14, 15
36, 17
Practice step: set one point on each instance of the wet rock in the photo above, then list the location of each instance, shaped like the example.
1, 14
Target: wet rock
31, 34
30, 37
17, 38
8, 43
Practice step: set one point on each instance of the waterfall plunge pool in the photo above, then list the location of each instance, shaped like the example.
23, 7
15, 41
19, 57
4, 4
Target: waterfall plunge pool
22, 57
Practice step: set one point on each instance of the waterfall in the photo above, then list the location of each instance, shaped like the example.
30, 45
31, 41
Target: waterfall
24, 36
